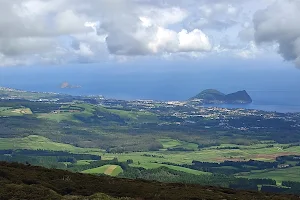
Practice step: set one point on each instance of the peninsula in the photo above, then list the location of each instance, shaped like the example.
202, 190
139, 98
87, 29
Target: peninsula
212, 96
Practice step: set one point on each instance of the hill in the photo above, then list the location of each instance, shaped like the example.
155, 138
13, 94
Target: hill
212, 96
27, 182
241, 97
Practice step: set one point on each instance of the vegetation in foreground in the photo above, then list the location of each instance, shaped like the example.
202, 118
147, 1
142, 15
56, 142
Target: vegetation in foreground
19, 181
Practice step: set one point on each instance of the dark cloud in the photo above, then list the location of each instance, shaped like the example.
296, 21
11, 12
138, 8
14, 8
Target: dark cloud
124, 44
279, 24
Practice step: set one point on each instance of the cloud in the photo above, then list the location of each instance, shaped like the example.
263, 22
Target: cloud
169, 41
145, 31
68, 29
164, 16
25, 45
247, 32
57, 31
250, 51
195, 40
215, 15
31, 30
279, 24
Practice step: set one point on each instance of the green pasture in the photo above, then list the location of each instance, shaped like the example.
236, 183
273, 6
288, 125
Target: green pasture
288, 174
205, 155
10, 112
151, 160
58, 117
132, 115
90, 109
171, 143
177, 168
178, 157
68, 116
34, 142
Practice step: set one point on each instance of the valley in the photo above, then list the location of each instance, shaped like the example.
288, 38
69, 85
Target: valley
145, 139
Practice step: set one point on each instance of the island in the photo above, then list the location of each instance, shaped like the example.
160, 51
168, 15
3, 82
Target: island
212, 96
66, 85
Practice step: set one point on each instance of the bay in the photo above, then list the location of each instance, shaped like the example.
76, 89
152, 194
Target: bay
276, 90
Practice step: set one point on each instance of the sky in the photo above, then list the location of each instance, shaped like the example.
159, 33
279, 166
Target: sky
63, 32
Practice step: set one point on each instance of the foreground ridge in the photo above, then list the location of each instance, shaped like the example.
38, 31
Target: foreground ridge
18, 181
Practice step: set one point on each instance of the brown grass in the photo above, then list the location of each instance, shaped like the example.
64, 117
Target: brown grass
110, 169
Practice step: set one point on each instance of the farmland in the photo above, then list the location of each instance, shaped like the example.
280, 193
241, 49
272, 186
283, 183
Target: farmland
152, 140
8, 111
152, 160
34, 142
290, 174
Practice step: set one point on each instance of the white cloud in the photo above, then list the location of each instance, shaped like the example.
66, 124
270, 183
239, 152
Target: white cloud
193, 41
146, 32
167, 41
84, 50
58, 31
164, 40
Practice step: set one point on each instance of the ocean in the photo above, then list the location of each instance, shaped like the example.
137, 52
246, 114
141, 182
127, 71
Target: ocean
271, 90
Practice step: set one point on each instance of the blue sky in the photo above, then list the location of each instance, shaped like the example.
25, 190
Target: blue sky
135, 32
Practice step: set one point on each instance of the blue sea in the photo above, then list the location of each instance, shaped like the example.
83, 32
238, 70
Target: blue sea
275, 89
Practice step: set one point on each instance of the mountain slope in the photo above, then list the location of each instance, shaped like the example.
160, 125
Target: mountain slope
19, 181
210, 94
238, 97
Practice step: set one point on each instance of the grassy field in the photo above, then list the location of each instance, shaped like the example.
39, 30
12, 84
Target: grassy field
68, 116
182, 157
150, 160
34, 142
7, 111
88, 112
111, 170
58, 117
289, 174
207, 155
177, 168
132, 115
171, 143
